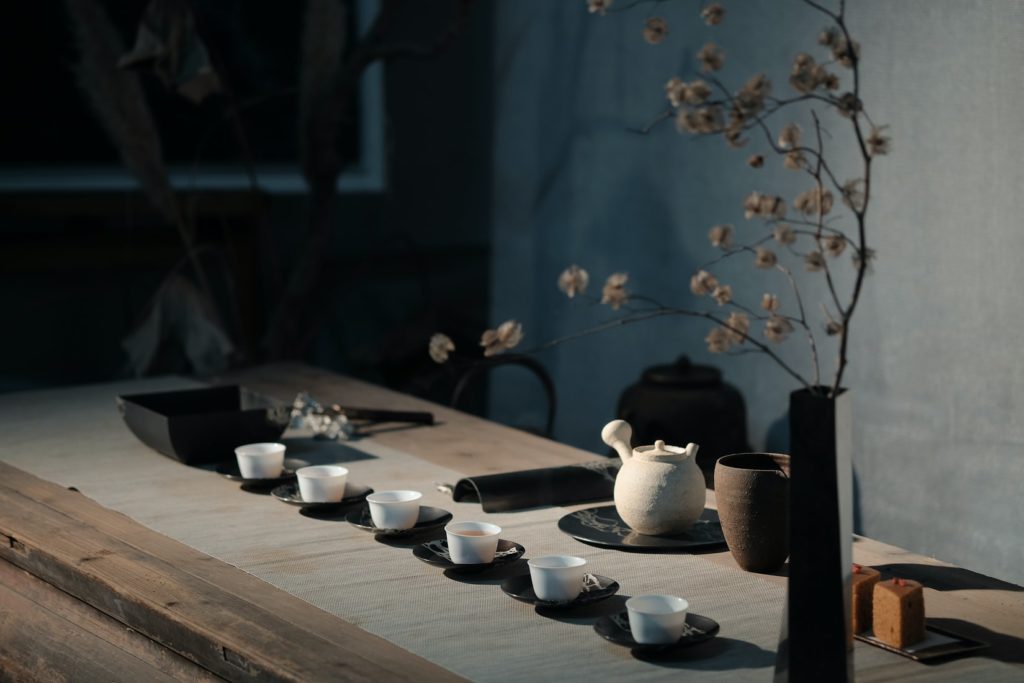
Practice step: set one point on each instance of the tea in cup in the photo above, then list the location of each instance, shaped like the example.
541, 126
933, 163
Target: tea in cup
260, 460
656, 619
322, 483
557, 578
394, 509
472, 542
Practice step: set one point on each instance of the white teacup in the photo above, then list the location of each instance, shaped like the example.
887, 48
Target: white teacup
472, 542
260, 460
557, 578
656, 618
394, 509
322, 483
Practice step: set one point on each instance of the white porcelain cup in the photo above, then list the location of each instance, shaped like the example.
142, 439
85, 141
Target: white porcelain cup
656, 618
394, 509
260, 460
322, 483
472, 542
558, 578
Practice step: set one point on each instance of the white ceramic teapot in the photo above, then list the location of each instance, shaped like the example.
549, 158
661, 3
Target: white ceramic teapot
659, 490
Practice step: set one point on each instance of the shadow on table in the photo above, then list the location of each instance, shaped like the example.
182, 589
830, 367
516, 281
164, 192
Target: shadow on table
334, 514
323, 451
492, 577
412, 540
587, 614
717, 654
1005, 648
945, 578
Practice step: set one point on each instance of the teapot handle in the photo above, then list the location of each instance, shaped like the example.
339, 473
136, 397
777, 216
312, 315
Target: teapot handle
618, 434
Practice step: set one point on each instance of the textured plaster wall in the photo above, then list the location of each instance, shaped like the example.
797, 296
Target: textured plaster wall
935, 368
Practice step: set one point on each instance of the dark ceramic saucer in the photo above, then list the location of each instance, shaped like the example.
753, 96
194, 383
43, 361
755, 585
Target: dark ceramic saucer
289, 493
430, 518
602, 526
229, 470
436, 553
616, 629
595, 589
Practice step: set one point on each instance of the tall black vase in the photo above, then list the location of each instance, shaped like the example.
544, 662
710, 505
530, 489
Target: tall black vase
816, 643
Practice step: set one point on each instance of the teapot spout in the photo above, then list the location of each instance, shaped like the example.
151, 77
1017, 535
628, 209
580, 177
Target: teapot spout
618, 434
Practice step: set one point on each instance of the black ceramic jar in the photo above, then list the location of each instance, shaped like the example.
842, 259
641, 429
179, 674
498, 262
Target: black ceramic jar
682, 402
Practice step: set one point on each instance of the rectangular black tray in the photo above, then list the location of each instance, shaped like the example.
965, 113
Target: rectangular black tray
203, 426
938, 642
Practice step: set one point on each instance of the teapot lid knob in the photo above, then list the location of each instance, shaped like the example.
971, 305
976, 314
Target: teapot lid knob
659, 446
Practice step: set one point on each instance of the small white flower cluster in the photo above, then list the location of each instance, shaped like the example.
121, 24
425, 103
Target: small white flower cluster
307, 413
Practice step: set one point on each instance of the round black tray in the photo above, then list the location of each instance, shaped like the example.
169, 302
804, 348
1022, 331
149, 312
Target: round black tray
602, 526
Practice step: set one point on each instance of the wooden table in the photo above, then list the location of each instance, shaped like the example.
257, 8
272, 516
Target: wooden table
89, 594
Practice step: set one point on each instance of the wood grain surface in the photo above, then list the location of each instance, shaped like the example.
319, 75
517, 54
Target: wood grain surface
197, 617
226, 621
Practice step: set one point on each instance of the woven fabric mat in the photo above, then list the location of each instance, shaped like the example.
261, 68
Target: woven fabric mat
468, 626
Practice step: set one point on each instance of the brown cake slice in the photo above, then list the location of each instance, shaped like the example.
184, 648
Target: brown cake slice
898, 607
864, 580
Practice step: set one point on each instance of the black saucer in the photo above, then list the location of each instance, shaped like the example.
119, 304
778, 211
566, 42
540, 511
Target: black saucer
602, 527
430, 518
436, 553
595, 589
289, 493
229, 470
616, 629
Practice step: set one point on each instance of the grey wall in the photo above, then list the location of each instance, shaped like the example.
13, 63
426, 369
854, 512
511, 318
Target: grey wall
939, 391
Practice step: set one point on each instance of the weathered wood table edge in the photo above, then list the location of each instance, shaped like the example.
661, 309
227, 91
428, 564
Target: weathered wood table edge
78, 569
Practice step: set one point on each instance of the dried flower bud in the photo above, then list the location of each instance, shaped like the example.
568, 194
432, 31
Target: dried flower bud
439, 348
705, 120
853, 194
789, 136
878, 142
814, 261
764, 258
777, 328
713, 14
598, 6
784, 234
573, 281
655, 30
675, 91
614, 292
749, 99
763, 206
711, 57
736, 327
507, 336
794, 160
722, 294
718, 340
721, 236
697, 92
703, 283
834, 244
734, 138
832, 328
849, 106
827, 37
769, 302
755, 161
845, 52
813, 201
